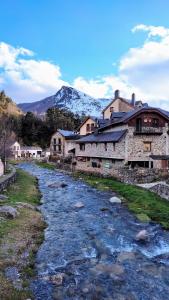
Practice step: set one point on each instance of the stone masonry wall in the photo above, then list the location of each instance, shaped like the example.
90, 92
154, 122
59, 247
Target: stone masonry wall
8, 179
98, 150
126, 175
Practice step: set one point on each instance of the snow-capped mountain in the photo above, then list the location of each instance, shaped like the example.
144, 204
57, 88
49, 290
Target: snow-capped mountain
70, 98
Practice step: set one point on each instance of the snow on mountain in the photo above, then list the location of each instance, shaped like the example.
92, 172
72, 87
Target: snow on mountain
69, 98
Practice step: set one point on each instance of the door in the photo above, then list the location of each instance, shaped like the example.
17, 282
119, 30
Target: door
138, 124
164, 164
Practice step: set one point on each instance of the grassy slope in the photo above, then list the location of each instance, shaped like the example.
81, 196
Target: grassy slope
145, 204
21, 234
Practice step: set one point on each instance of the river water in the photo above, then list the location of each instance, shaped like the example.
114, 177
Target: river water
90, 252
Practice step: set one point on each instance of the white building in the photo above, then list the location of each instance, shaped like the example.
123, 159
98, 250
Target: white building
19, 151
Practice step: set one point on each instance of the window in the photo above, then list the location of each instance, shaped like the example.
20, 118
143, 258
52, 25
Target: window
105, 146
54, 148
88, 127
88, 158
111, 109
147, 146
155, 122
54, 141
82, 147
114, 146
92, 126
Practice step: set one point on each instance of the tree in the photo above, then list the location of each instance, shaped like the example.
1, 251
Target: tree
7, 136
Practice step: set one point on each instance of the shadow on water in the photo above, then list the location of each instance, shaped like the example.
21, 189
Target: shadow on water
90, 252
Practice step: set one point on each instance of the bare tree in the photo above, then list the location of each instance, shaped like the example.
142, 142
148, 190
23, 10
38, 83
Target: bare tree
6, 137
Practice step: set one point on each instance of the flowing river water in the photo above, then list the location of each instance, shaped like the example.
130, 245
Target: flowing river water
90, 252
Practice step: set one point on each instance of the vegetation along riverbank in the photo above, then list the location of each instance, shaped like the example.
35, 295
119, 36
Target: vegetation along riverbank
21, 233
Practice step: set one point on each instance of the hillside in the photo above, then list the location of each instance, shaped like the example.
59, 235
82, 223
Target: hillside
70, 98
7, 106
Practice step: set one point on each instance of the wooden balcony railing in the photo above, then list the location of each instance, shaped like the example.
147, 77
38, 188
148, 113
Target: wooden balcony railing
149, 130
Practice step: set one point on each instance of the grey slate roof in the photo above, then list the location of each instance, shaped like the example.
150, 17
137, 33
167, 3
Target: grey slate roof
103, 137
66, 132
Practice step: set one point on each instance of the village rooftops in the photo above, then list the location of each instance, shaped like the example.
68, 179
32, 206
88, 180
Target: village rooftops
103, 137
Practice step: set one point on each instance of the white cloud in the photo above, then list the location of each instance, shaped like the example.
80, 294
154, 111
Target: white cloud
27, 79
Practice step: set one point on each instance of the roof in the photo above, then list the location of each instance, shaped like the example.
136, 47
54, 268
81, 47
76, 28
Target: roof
103, 137
66, 132
129, 115
31, 148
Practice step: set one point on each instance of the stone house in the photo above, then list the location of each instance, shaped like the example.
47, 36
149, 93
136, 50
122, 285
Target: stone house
139, 137
90, 124
119, 104
63, 141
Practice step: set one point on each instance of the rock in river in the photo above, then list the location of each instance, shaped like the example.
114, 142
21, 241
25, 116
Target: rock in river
57, 185
8, 212
142, 236
3, 198
115, 200
79, 205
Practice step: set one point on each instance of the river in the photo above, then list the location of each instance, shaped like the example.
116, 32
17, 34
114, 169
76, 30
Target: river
90, 252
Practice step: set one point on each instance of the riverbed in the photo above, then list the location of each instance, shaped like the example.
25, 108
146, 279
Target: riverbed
90, 252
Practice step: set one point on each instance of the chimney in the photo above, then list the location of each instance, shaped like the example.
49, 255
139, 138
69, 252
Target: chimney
116, 94
133, 99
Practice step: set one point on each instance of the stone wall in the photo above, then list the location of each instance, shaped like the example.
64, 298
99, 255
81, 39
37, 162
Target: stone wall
8, 179
115, 150
162, 190
123, 174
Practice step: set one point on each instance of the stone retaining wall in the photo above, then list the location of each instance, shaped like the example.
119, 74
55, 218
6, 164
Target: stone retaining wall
8, 179
139, 175
162, 190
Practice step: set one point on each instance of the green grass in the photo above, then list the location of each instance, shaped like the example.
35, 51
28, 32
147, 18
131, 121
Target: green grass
45, 165
24, 189
143, 203
26, 232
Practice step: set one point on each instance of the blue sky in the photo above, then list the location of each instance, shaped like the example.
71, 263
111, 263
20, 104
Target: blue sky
85, 41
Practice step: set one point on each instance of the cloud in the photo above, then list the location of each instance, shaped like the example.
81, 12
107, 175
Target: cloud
27, 79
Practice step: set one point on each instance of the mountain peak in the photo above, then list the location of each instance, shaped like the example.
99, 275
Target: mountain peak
69, 98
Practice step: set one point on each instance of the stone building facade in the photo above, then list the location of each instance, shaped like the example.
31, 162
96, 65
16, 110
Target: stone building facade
144, 143
62, 142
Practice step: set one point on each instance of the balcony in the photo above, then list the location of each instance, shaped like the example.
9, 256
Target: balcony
148, 130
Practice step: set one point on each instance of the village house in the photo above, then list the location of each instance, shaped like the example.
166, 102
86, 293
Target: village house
90, 124
62, 142
138, 137
19, 151
120, 104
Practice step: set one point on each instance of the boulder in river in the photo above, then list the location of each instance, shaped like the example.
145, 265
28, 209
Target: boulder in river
57, 185
57, 279
115, 200
8, 212
79, 205
142, 236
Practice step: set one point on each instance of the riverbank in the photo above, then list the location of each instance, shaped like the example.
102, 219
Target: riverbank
146, 205
20, 237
